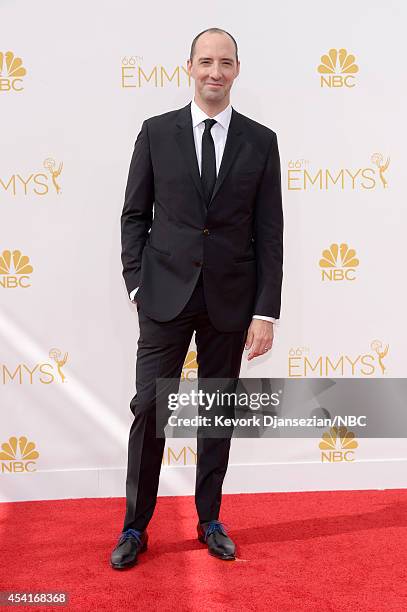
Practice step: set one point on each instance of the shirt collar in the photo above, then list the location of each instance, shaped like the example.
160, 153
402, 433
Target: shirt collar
198, 115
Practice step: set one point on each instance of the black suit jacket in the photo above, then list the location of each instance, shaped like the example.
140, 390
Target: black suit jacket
170, 234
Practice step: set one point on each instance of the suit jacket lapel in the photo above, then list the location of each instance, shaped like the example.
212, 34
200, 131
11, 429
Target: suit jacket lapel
185, 139
233, 145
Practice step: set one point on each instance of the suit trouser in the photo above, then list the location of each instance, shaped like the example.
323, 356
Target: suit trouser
162, 348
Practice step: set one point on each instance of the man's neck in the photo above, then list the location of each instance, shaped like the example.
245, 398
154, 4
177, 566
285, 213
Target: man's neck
210, 109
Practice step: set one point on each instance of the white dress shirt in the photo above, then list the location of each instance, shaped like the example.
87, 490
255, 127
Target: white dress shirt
219, 133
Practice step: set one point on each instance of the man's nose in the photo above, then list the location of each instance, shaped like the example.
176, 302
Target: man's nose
215, 72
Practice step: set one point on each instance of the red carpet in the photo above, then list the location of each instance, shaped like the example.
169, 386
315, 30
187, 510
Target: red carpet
320, 551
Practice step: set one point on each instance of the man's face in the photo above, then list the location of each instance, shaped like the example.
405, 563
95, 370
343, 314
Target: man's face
214, 67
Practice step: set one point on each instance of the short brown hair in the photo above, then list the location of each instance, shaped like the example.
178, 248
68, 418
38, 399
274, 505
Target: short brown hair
211, 31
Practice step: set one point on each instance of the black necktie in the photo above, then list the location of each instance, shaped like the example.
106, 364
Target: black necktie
208, 169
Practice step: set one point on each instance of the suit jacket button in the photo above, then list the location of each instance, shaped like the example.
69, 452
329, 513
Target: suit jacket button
206, 231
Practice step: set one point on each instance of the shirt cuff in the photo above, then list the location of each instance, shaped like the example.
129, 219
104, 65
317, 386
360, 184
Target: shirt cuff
133, 293
270, 319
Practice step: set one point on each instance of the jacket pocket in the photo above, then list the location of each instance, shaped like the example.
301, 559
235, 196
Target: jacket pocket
159, 250
245, 258
246, 174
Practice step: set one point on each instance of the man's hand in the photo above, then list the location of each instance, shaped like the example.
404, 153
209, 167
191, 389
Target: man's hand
259, 338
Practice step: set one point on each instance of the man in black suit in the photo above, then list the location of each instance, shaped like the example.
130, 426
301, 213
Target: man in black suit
208, 261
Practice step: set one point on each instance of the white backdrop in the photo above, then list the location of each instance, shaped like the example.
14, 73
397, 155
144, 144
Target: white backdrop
77, 80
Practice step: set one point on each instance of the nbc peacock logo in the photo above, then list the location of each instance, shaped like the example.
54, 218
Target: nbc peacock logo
337, 445
11, 72
190, 367
18, 455
15, 270
337, 69
338, 263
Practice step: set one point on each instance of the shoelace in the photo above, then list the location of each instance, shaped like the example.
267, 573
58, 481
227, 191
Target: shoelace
213, 526
131, 533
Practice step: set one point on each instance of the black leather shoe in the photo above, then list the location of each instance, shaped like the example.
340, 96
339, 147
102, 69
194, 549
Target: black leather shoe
130, 544
214, 535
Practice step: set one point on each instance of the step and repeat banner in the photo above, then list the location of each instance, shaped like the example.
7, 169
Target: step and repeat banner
76, 82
